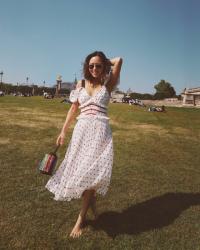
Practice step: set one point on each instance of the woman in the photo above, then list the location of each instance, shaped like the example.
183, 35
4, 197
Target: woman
87, 166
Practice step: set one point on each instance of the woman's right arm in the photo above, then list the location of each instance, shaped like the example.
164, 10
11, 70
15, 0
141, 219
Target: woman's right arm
115, 64
70, 117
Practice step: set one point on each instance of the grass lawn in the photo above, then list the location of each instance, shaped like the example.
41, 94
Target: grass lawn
153, 202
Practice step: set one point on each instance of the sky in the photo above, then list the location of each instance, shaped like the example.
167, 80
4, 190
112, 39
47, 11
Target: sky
157, 39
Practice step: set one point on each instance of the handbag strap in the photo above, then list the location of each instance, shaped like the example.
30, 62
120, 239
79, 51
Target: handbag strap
83, 83
57, 147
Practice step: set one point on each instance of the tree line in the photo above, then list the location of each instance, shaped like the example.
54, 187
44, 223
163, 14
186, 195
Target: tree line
163, 90
9, 88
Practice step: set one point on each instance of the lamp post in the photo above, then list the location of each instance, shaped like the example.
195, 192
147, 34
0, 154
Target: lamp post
58, 84
1, 73
27, 78
33, 90
75, 80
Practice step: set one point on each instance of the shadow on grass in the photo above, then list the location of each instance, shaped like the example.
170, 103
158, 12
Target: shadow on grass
152, 214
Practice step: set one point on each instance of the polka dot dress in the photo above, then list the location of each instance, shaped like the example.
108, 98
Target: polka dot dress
89, 157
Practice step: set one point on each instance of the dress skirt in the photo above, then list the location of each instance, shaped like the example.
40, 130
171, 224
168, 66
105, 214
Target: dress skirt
88, 161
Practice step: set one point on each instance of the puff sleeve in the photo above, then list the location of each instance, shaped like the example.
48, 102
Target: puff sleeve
73, 97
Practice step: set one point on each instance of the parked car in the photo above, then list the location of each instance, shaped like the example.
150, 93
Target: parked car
2, 93
48, 96
136, 102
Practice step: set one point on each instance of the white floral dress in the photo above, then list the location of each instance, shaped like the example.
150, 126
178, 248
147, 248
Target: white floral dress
89, 157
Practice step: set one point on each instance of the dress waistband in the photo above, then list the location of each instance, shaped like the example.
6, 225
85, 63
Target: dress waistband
94, 109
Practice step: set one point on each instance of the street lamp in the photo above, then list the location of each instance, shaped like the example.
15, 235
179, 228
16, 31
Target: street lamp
75, 79
27, 78
58, 84
1, 73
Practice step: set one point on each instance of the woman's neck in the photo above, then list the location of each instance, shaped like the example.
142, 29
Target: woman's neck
96, 82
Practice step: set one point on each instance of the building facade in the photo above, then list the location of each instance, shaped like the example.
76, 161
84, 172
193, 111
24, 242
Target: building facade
191, 96
68, 85
116, 97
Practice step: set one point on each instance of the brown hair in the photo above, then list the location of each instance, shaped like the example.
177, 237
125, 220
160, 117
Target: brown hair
105, 62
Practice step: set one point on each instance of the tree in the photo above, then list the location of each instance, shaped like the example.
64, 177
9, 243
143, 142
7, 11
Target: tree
164, 90
144, 96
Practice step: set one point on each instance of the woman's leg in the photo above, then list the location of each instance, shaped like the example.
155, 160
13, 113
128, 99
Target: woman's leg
93, 205
77, 230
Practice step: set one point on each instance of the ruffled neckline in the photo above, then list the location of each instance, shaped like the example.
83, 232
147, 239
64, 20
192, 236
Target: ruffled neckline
92, 96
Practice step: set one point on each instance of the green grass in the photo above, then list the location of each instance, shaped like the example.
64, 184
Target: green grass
153, 201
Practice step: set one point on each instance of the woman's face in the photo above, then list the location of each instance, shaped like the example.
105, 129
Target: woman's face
95, 67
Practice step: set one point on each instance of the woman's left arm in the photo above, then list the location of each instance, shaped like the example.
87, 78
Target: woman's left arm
116, 64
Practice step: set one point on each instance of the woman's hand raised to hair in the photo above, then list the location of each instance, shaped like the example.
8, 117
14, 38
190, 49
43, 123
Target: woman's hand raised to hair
116, 64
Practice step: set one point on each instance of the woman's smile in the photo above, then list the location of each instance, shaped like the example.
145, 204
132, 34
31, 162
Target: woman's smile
95, 66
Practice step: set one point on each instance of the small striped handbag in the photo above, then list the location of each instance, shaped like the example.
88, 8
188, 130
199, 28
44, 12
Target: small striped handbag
47, 165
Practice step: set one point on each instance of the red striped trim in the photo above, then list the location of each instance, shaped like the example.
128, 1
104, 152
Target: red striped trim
94, 105
91, 114
83, 111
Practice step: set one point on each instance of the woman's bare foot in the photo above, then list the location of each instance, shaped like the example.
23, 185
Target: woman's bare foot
93, 206
77, 230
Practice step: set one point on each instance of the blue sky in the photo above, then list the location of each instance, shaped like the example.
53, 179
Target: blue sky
158, 39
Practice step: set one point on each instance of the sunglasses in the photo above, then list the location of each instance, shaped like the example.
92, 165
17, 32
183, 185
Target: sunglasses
96, 65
